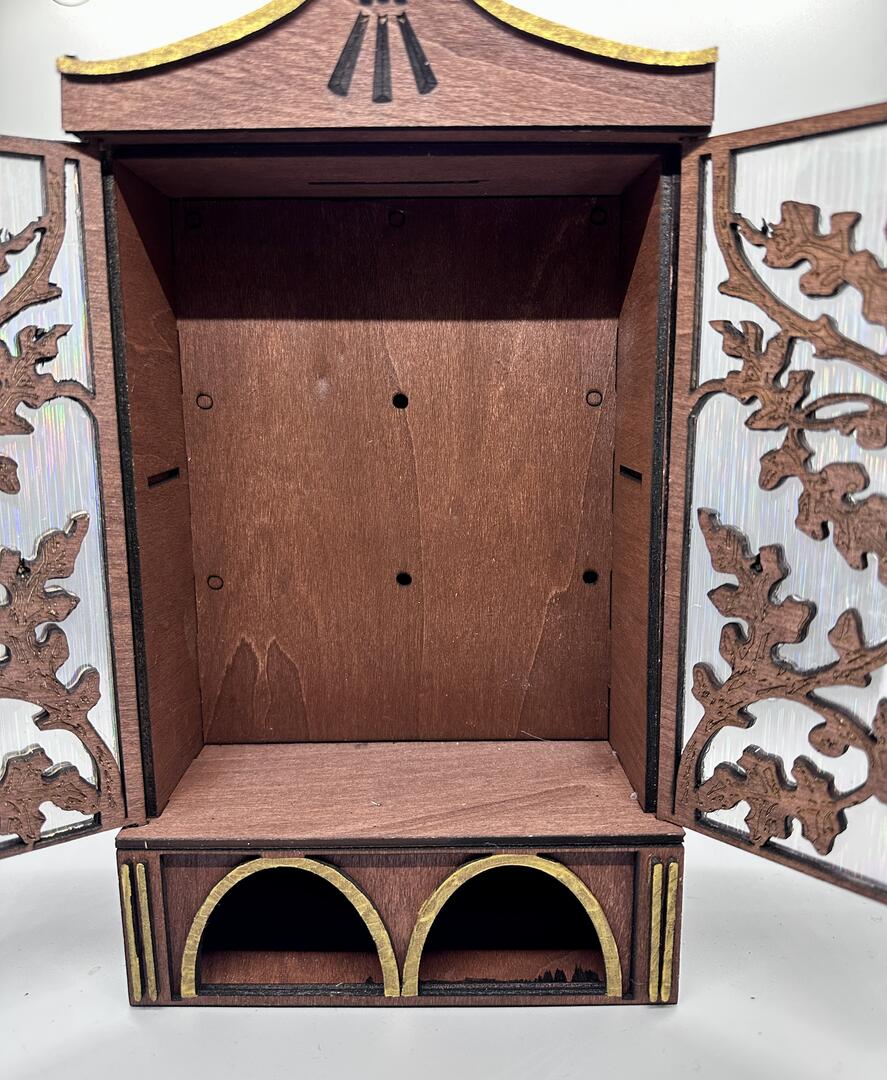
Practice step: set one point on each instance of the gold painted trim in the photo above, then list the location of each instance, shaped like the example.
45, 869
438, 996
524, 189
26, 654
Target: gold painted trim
226, 34
671, 904
359, 901
133, 966
145, 928
252, 23
655, 930
598, 46
431, 908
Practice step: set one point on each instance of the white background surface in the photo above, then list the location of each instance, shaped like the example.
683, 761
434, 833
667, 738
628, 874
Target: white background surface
782, 975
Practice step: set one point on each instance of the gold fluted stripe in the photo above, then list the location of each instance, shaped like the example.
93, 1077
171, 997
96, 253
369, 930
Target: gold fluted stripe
671, 903
655, 930
359, 901
145, 928
430, 909
578, 39
226, 34
133, 966
243, 27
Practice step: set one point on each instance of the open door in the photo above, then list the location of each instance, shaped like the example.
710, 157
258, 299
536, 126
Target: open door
774, 706
69, 736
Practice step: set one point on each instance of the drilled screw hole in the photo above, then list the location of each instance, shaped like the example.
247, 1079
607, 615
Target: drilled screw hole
204, 401
599, 216
192, 219
215, 582
400, 401
589, 576
594, 398
397, 219
403, 578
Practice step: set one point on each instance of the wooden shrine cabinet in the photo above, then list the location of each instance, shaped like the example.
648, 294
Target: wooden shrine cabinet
431, 477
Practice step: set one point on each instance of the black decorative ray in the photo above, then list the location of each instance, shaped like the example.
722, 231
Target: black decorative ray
340, 80
424, 76
382, 70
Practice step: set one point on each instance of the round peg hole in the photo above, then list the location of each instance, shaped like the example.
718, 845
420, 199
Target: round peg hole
598, 216
403, 578
397, 218
594, 398
215, 582
204, 401
589, 576
400, 401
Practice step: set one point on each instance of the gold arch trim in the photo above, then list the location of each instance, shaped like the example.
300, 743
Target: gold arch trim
359, 901
238, 29
431, 908
219, 36
598, 46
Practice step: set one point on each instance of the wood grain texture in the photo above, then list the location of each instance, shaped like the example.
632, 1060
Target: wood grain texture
399, 793
686, 400
283, 172
488, 75
397, 883
162, 506
120, 794
491, 488
636, 406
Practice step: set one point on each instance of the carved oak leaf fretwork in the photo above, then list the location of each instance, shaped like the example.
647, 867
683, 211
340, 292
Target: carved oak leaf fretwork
28, 671
758, 673
829, 498
20, 381
31, 779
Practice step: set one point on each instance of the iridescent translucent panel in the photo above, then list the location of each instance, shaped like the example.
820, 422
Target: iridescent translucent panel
58, 472
837, 172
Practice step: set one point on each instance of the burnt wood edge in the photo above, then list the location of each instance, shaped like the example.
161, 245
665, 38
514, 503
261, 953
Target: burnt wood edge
255, 846
669, 203
135, 142
793, 860
127, 470
687, 486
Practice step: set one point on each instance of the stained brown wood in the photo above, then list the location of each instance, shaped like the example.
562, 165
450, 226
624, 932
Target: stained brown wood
399, 792
120, 791
673, 802
397, 883
487, 74
310, 491
447, 171
636, 404
160, 472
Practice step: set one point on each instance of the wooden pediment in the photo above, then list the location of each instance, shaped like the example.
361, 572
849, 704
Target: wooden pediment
353, 64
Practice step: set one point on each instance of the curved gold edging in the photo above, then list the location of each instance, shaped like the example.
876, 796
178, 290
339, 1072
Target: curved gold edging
226, 34
431, 908
655, 930
359, 901
133, 965
577, 39
237, 29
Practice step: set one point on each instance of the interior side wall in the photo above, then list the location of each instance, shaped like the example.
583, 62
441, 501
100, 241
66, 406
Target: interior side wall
161, 554
634, 481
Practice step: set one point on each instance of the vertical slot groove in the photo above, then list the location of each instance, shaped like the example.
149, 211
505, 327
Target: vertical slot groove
343, 72
422, 73
133, 965
382, 68
145, 928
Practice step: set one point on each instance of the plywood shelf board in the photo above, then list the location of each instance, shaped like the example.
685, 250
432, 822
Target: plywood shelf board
401, 794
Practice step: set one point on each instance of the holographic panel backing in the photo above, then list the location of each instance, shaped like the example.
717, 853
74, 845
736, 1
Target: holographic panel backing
58, 472
836, 172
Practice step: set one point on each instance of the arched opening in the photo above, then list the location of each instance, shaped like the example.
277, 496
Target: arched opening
288, 924
525, 925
